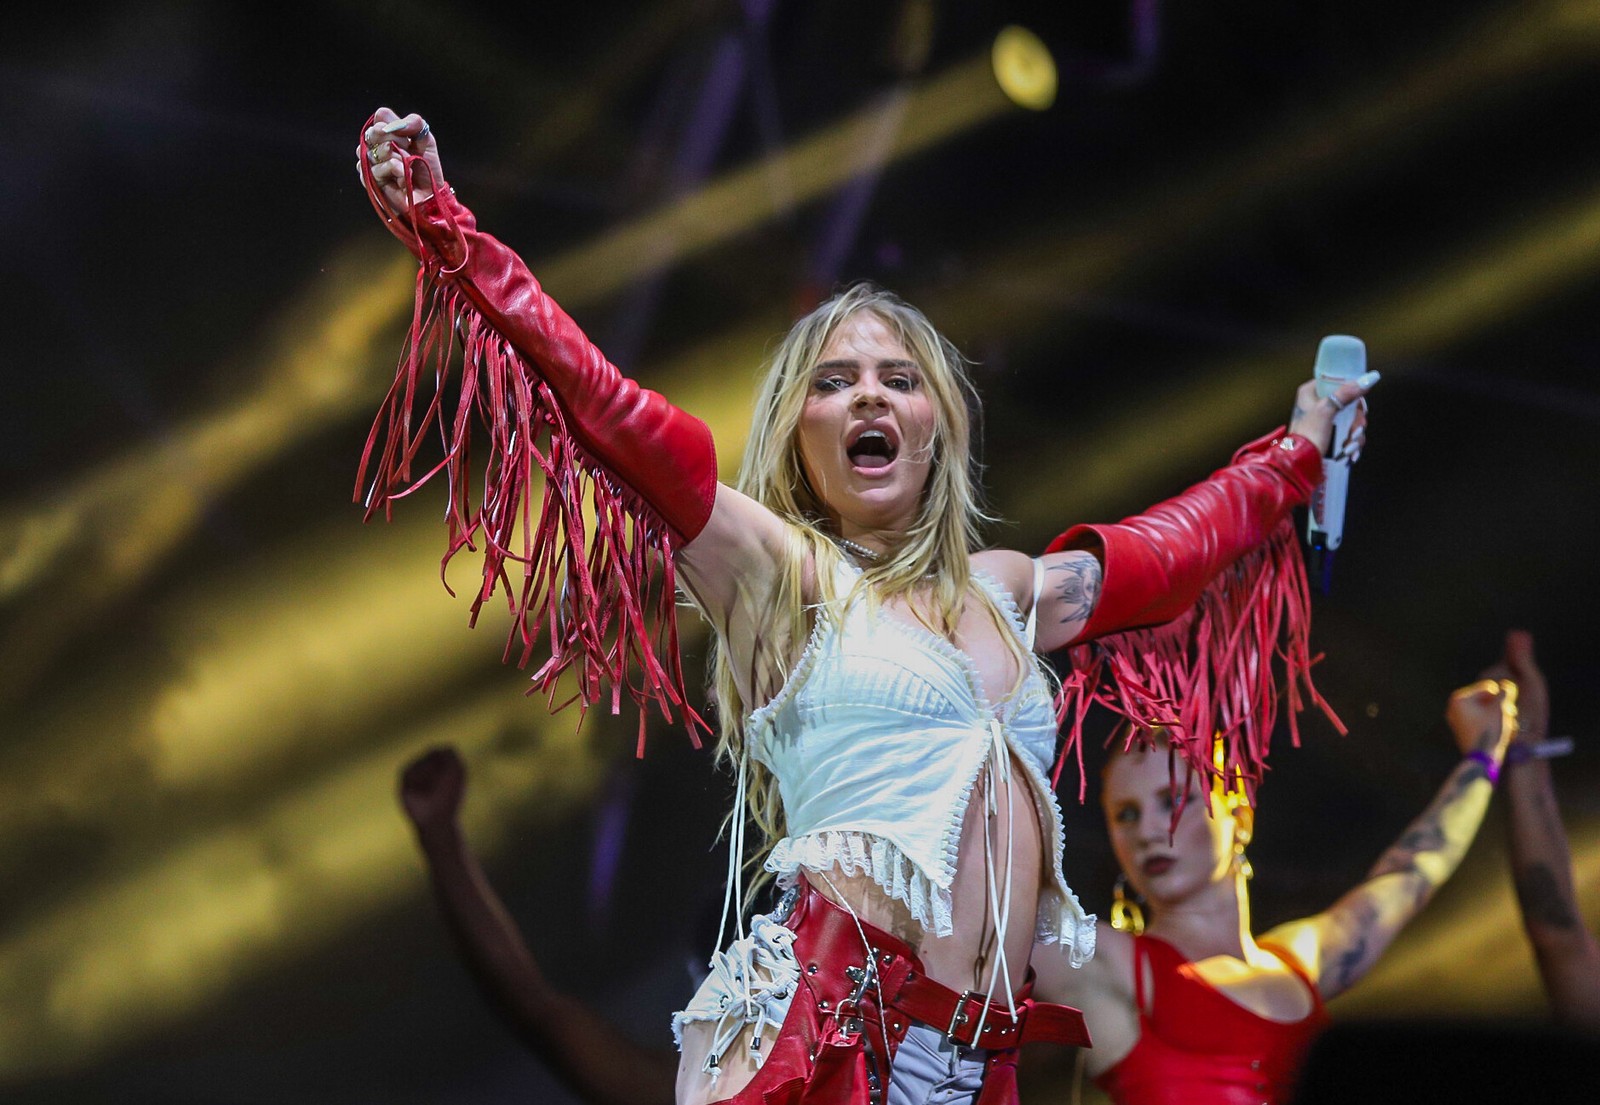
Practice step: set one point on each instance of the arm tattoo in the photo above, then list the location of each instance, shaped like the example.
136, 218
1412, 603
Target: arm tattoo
1541, 898
1426, 833
1077, 588
1350, 963
1402, 855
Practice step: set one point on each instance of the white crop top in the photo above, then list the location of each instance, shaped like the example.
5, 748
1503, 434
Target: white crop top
877, 739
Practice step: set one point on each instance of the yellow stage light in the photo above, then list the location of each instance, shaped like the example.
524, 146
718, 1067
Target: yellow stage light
1024, 68
1218, 405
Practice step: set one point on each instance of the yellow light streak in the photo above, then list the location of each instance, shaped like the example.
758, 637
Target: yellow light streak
66, 559
253, 668
113, 527
1089, 253
130, 955
955, 101
1220, 405
265, 668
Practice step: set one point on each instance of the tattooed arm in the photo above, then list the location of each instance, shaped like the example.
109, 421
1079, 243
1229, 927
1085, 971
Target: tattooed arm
1567, 954
1066, 599
1341, 944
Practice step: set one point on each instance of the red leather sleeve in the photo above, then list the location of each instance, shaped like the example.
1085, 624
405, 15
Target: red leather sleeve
1157, 563
665, 455
1202, 598
575, 483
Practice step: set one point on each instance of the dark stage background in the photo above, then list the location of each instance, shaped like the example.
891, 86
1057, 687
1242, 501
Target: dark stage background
210, 672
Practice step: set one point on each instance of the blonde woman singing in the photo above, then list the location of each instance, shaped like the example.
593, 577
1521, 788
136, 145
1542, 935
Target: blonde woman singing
876, 691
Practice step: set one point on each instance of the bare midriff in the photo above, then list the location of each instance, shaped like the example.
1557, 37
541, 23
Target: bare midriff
965, 959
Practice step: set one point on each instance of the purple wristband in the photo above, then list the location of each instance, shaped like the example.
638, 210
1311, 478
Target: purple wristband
1491, 766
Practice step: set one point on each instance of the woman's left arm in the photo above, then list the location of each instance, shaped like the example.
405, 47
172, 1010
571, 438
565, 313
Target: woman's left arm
1341, 944
1152, 567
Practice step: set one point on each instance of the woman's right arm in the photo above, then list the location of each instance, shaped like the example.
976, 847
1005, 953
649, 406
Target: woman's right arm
727, 547
665, 456
1341, 944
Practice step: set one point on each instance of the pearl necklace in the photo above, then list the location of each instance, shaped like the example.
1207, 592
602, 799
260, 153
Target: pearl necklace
859, 550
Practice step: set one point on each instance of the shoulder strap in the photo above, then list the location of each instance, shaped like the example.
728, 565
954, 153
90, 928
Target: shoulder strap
1141, 955
1031, 626
1296, 968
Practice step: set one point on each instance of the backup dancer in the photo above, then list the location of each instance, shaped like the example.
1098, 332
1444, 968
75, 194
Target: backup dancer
1196, 1009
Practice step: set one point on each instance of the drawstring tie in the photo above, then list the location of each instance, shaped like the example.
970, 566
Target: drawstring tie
999, 757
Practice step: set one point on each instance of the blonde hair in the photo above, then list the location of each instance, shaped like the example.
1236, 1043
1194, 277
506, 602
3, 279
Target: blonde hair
932, 554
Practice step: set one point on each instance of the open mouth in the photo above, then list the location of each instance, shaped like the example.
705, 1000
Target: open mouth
872, 449
1159, 865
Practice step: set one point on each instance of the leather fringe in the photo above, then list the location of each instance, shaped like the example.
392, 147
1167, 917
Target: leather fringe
583, 562
1210, 674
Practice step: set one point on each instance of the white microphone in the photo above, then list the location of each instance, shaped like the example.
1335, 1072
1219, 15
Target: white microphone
1340, 359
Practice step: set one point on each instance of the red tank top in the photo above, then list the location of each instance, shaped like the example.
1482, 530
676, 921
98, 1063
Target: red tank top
1197, 1046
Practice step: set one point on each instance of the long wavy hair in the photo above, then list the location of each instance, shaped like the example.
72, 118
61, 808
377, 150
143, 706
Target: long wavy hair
931, 557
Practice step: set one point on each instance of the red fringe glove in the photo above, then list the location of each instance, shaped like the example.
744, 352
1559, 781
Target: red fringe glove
551, 405
1217, 570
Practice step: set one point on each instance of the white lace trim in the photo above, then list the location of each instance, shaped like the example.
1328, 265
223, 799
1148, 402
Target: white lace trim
1063, 921
881, 860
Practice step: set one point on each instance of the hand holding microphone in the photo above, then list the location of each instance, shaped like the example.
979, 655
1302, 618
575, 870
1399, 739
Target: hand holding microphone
1331, 411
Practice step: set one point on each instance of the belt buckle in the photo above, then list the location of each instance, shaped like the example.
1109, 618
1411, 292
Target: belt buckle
959, 1016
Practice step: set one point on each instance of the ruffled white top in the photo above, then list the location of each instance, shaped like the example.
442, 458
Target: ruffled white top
877, 740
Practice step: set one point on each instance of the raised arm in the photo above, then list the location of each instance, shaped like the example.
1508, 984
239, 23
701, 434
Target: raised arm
1340, 945
625, 473
589, 1054
1152, 567
1541, 862
1193, 602
665, 456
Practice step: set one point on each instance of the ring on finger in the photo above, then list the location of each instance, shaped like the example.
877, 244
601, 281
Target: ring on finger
1338, 404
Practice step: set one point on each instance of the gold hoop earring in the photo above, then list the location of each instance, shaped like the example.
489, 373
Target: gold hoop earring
1126, 916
